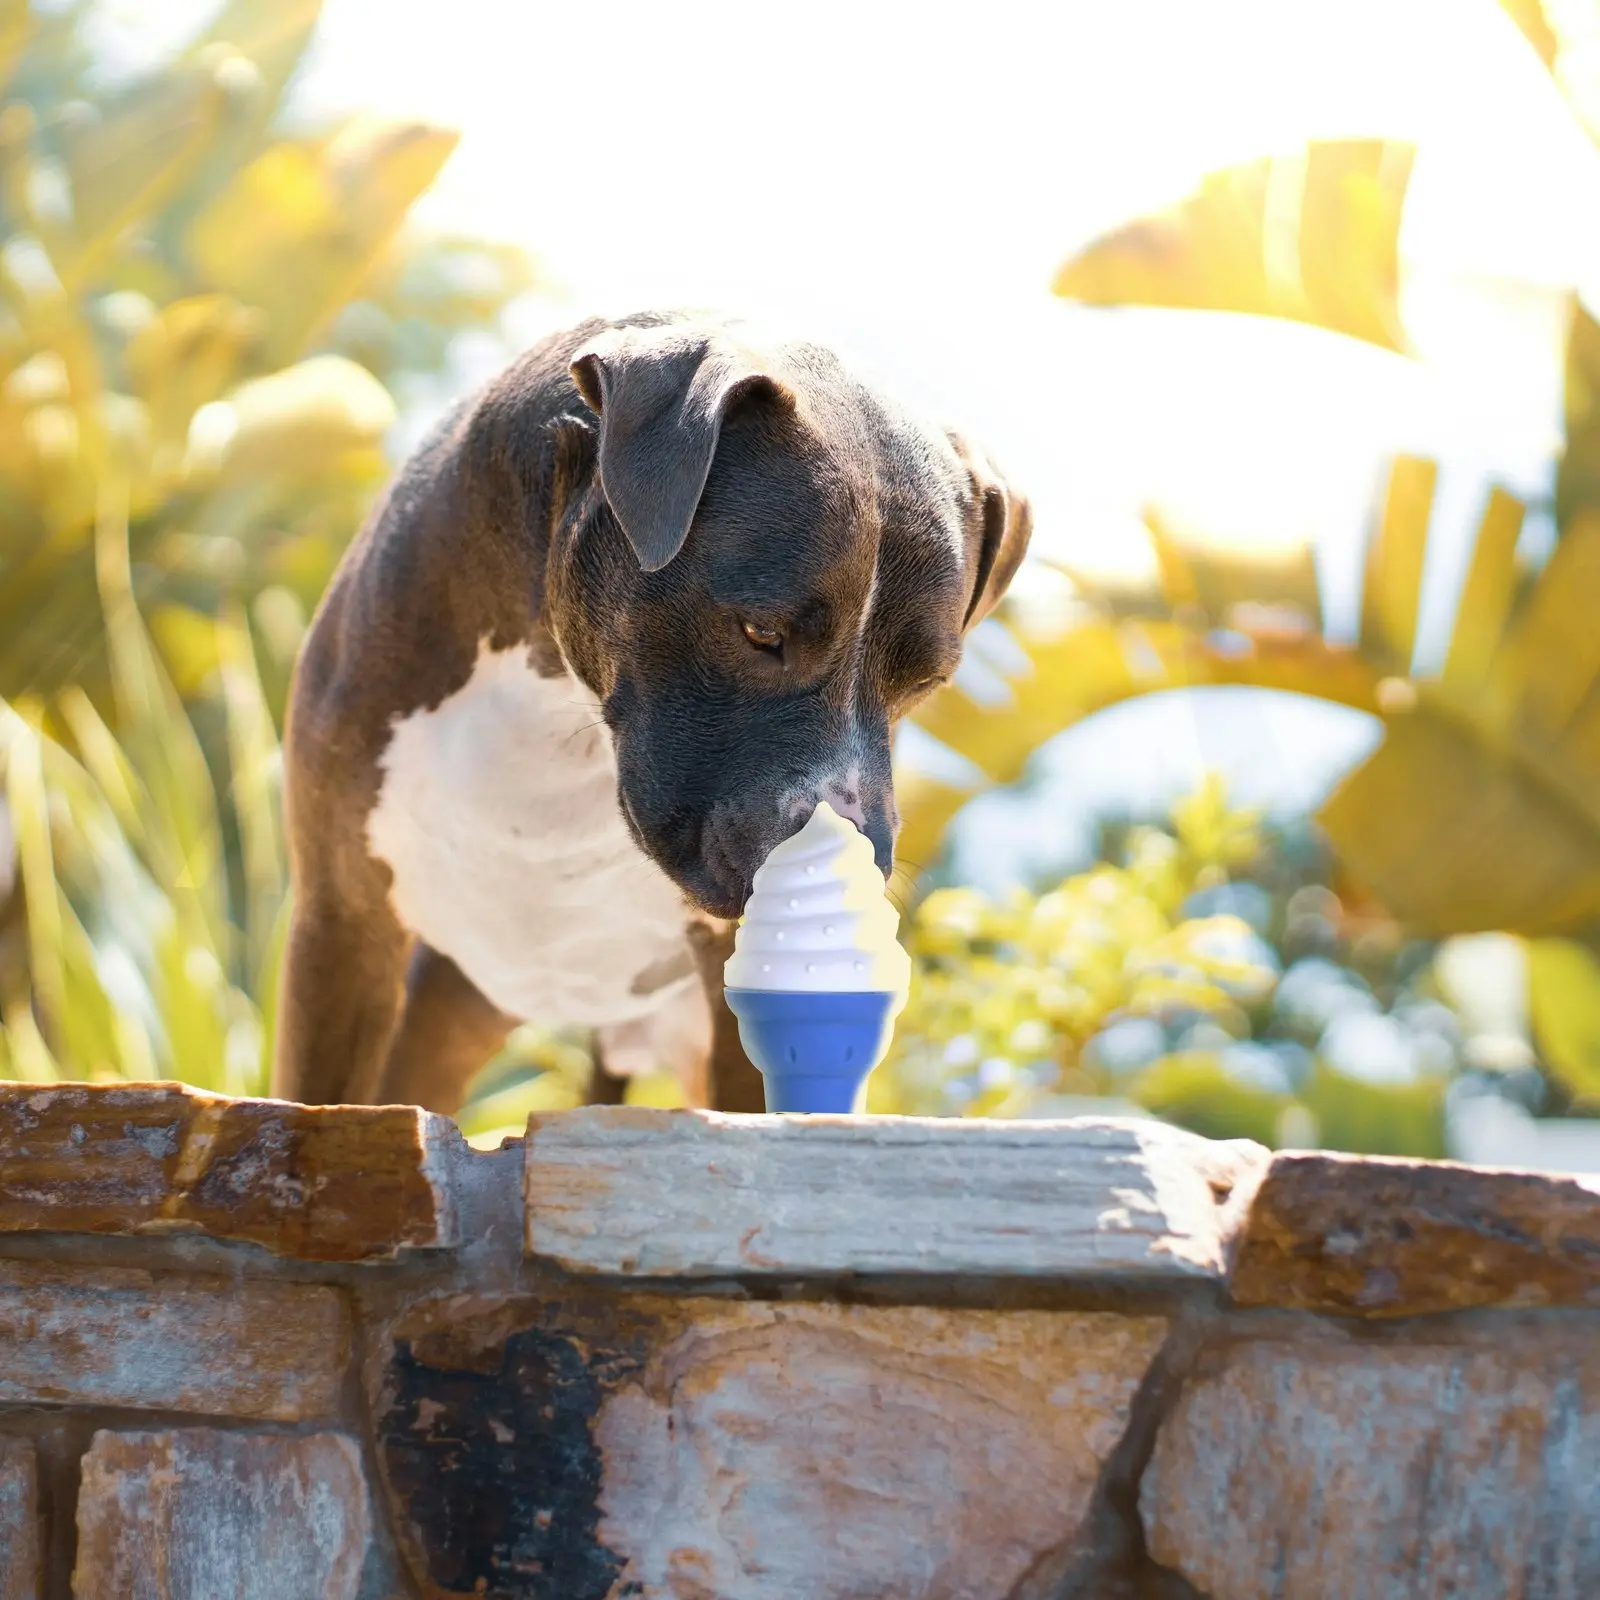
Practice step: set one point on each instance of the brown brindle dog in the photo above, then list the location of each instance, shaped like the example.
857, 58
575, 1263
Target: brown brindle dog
617, 627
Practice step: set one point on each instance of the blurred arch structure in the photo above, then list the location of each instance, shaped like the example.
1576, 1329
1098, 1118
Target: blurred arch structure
1480, 808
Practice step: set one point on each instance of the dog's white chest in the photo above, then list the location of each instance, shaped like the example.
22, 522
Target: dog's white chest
498, 817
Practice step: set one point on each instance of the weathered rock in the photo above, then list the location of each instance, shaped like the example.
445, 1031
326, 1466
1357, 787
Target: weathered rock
19, 1521
1408, 1464
485, 1441
321, 1183
849, 1452
197, 1514
118, 1336
658, 1448
693, 1194
1374, 1237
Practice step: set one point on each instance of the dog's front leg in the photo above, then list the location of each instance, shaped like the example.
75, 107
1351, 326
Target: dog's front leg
735, 1085
448, 1030
342, 987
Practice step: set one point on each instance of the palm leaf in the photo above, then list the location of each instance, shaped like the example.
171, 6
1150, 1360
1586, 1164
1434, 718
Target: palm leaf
26, 1056
184, 831
30, 821
1486, 596
300, 227
1564, 1008
1534, 26
1311, 235
1578, 472
272, 36
127, 164
256, 800
183, 1016
1481, 808
1226, 638
1395, 553
1562, 36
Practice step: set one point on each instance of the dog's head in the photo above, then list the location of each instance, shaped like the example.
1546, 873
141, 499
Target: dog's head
771, 565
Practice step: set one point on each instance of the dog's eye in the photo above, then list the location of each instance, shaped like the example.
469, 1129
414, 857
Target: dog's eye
762, 638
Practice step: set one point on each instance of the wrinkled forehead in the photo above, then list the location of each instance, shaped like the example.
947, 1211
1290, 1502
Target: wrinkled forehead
856, 504
919, 479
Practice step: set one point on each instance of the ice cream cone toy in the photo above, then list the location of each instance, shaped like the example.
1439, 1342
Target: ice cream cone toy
817, 976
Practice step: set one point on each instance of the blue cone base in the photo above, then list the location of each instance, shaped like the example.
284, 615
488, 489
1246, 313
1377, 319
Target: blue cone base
814, 1050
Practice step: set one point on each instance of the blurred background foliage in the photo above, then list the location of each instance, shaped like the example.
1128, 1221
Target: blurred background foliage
211, 319
1221, 972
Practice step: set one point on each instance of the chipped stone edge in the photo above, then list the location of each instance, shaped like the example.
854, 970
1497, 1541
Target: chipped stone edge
1283, 1167
1196, 1241
443, 1149
440, 1148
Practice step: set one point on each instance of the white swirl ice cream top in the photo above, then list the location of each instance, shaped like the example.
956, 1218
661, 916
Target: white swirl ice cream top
818, 919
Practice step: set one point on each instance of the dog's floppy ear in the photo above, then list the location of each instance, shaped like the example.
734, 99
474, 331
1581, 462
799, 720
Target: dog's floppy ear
999, 525
661, 395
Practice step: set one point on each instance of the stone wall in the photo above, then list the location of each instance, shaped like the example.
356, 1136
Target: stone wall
254, 1351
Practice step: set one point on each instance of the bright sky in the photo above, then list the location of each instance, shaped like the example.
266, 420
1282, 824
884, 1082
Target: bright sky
903, 179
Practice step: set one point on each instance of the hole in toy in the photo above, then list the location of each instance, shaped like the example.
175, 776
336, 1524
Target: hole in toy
794, 1056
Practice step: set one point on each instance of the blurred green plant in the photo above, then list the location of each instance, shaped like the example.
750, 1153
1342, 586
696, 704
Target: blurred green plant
213, 312
206, 318
123, 956
144, 933
1476, 813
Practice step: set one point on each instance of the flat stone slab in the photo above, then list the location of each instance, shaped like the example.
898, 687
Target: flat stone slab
19, 1521
1415, 1461
663, 1447
684, 1194
1375, 1237
195, 1514
320, 1183
120, 1336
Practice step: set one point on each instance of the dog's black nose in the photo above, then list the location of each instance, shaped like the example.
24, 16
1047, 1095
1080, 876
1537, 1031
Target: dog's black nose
877, 829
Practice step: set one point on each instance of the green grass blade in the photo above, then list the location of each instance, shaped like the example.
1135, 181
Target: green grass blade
193, 996
254, 756
28, 1055
268, 976
106, 762
185, 835
30, 819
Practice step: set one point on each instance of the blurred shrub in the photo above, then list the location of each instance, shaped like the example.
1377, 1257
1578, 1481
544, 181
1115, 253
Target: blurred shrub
1205, 973
126, 955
